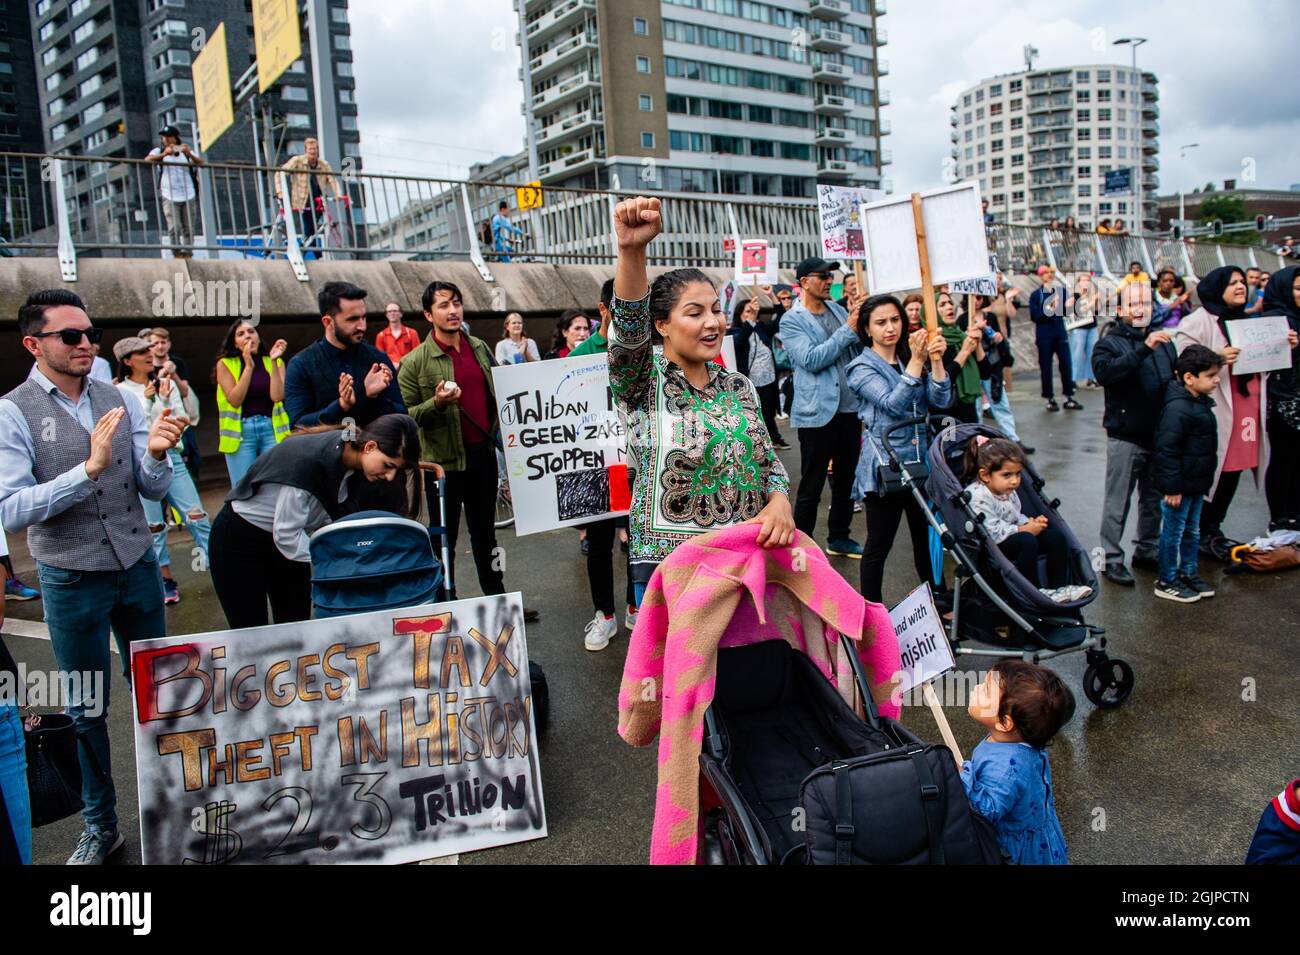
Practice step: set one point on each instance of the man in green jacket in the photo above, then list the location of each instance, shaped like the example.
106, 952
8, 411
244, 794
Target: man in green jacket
446, 383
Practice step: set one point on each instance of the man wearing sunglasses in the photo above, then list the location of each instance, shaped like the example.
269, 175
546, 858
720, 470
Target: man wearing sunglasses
821, 339
75, 457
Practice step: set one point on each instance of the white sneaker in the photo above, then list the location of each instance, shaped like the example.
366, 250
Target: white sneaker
629, 618
599, 631
1077, 591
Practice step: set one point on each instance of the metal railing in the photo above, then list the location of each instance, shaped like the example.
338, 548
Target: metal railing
74, 206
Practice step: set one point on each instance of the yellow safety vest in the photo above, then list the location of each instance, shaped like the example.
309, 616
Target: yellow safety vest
230, 420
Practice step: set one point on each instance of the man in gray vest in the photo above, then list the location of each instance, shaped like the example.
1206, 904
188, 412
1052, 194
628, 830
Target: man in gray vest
75, 457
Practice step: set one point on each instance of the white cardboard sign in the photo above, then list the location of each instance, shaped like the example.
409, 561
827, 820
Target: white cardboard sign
839, 211
1263, 343
565, 444
756, 263
922, 642
955, 239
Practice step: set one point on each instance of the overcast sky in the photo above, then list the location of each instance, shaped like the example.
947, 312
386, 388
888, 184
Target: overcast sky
438, 85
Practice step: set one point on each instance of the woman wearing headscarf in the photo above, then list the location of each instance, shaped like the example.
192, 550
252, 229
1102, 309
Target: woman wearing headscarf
1282, 480
1238, 400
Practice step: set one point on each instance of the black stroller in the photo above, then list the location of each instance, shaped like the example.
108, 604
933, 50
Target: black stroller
993, 604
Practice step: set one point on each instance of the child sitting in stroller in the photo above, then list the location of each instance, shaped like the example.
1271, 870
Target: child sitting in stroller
993, 467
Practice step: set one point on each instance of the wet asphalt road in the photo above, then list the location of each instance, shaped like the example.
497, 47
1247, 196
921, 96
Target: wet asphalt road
1179, 774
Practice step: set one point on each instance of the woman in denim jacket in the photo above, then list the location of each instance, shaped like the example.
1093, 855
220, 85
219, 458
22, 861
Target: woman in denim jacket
891, 381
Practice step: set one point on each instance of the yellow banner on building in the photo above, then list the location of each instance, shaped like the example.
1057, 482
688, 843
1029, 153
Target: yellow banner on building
277, 39
212, 100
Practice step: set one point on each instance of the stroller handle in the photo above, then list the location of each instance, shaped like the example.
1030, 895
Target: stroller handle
905, 423
437, 469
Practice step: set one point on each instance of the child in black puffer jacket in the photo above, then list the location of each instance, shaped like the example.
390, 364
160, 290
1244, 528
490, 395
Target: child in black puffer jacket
1186, 455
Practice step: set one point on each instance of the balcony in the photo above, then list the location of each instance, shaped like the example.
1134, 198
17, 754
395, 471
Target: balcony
1044, 161
1150, 147
882, 67
571, 50
1150, 163
829, 9
882, 98
565, 91
833, 136
886, 157
830, 72
833, 168
953, 121
567, 164
1150, 184
560, 16
828, 39
881, 8
566, 127
885, 127
1150, 128
882, 36
1150, 110
828, 104
954, 136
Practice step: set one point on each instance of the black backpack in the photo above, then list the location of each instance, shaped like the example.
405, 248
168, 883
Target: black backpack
904, 805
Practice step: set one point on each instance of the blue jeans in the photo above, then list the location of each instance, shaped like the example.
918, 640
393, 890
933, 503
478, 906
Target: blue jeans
1082, 341
1180, 537
1001, 410
13, 781
183, 496
80, 606
256, 436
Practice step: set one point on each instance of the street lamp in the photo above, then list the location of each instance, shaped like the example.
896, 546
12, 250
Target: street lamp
1182, 154
1133, 42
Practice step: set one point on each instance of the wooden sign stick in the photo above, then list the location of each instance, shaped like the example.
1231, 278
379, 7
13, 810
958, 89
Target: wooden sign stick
860, 274
944, 729
923, 253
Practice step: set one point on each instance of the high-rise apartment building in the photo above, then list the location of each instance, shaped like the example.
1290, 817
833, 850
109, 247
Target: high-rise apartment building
732, 96
20, 124
1040, 143
111, 73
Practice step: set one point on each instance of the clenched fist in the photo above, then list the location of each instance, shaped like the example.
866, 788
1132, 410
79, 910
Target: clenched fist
636, 222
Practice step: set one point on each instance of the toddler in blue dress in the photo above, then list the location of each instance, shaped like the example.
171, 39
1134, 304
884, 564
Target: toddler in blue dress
1008, 778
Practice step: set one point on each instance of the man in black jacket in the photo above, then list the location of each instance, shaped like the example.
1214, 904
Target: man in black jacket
1134, 365
1186, 459
341, 376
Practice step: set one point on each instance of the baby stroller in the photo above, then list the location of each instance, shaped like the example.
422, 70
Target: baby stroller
785, 761
993, 604
378, 560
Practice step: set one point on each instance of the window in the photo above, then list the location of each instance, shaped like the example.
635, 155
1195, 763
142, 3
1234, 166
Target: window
647, 140
342, 41
970, 152
92, 112
339, 15
1085, 191
1083, 134
1085, 152
87, 58
1103, 96
55, 106
1103, 116
979, 150
979, 131
83, 31
97, 138
296, 93
1016, 104
998, 181
640, 26
344, 69
643, 64
1017, 197
1103, 132
996, 146
1103, 208
981, 166
996, 163
645, 103
995, 109
1014, 87
1017, 179
1083, 116
1122, 115
995, 90
52, 82
49, 56
1103, 76
1083, 96
795, 151
1081, 76
979, 112
762, 147
349, 123
1103, 152
965, 100
1085, 172
967, 118
969, 135
1123, 152
970, 170
760, 114
1017, 122
346, 95
1018, 159
1017, 142
995, 128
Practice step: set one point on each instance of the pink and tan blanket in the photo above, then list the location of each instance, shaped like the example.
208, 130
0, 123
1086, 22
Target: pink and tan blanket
723, 590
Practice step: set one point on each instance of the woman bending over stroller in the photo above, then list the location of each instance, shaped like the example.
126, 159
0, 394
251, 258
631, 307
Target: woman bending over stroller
259, 540
696, 428
993, 467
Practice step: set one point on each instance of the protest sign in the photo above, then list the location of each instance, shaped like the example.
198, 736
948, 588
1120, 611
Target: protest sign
756, 263
922, 643
924, 654
564, 442
987, 285
382, 737
839, 211
1263, 343
949, 232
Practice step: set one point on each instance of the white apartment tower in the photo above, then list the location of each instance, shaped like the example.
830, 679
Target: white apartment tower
733, 96
1040, 143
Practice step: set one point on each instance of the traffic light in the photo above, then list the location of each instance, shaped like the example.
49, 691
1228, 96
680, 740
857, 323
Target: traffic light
1217, 226
1261, 223
1178, 232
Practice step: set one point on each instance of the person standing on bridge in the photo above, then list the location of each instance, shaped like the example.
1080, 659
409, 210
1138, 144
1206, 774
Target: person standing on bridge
685, 484
176, 187
309, 176
75, 457
503, 230
341, 376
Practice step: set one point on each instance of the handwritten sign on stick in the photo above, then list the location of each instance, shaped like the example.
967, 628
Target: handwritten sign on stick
383, 737
1263, 343
839, 210
565, 445
955, 239
922, 642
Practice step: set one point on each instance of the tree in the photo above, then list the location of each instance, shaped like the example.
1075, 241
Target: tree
1226, 209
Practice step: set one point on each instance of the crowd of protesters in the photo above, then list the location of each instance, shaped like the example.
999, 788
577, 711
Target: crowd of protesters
333, 428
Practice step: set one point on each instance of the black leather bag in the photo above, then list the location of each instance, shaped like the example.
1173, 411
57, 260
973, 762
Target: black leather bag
889, 479
53, 771
903, 806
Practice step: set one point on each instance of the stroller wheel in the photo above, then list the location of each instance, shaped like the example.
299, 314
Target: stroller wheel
1108, 683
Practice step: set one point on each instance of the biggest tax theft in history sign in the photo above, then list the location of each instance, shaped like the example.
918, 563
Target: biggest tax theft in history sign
565, 443
382, 737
